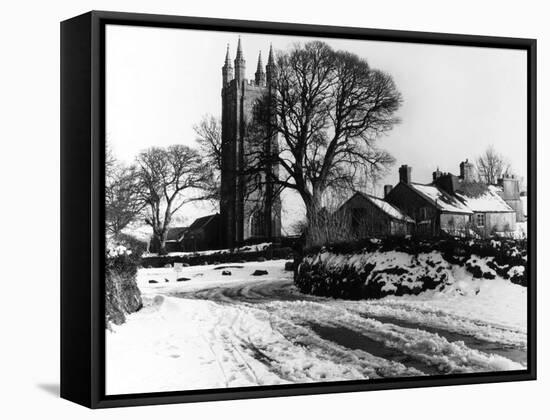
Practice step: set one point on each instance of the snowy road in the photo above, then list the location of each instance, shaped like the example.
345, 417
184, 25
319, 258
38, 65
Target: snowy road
210, 331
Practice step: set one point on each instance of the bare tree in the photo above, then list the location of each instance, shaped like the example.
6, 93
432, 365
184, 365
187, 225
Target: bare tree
123, 202
329, 108
491, 165
209, 140
168, 179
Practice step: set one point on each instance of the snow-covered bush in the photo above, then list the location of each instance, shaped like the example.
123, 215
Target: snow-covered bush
373, 269
122, 296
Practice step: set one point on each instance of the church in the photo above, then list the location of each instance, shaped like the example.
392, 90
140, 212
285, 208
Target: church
250, 209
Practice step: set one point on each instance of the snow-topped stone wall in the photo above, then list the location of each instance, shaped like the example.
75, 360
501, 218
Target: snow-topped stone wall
381, 269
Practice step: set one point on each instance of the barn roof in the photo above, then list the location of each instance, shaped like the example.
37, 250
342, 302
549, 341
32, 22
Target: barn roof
387, 208
201, 222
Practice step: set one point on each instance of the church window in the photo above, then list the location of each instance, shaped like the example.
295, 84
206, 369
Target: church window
257, 224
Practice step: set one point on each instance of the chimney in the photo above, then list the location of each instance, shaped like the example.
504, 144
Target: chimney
510, 187
448, 183
387, 190
405, 174
436, 174
467, 171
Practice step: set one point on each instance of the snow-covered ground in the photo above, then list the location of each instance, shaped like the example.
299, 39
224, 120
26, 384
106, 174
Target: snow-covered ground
212, 330
248, 248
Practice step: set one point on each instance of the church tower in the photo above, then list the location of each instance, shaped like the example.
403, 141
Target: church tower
227, 69
248, 207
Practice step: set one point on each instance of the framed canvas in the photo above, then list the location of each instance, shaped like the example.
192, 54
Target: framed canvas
257, 209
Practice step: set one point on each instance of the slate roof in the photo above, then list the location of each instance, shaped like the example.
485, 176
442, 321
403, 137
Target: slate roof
459, 202
201, 222
387, 208
488, 202
441, 199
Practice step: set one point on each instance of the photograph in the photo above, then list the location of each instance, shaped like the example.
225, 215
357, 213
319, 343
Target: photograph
290, 209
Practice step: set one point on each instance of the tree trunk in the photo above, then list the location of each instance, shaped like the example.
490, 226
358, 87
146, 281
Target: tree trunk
162, 242
314, 219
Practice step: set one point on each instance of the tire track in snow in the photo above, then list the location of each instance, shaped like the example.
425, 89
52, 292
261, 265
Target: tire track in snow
262, 294
516, 354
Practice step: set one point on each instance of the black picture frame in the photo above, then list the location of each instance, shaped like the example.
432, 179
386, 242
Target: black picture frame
82, 207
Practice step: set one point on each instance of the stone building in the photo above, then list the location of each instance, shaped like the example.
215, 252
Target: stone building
249, 209
449, 205
509, 190
456, 205
372, 216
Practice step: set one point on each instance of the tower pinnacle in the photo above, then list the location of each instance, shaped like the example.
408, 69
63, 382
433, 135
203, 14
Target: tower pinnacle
270, 68
240, 63
227, 69
227, 58
260, 74
239, 49
270, 60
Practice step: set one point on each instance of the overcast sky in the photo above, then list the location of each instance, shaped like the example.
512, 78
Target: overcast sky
456, 100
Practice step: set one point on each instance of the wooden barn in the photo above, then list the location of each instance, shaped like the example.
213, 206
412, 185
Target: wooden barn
371, 216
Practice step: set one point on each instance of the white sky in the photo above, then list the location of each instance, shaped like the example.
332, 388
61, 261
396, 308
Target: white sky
456, 100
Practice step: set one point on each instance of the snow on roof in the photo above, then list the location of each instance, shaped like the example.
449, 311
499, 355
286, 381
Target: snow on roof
489, 201
387, 208
443, 201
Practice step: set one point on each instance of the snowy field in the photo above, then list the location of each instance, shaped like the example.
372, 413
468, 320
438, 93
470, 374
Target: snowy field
209, 330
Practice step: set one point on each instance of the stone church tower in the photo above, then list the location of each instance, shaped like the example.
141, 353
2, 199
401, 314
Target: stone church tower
248, 207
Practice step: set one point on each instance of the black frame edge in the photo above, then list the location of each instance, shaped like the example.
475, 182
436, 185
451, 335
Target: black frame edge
315, 30
82, 157
75, 130
532, 205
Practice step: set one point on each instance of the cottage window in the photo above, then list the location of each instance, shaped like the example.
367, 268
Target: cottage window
480, 220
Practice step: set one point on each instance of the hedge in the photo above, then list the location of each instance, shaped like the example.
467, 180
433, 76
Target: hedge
122, 295
346, 281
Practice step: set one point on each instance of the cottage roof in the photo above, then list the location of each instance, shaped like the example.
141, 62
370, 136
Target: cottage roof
175, 233
387, 208
441, 199
488, 202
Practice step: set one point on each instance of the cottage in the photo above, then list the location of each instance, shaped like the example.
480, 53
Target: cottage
372, 216
455, 205
432, 208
